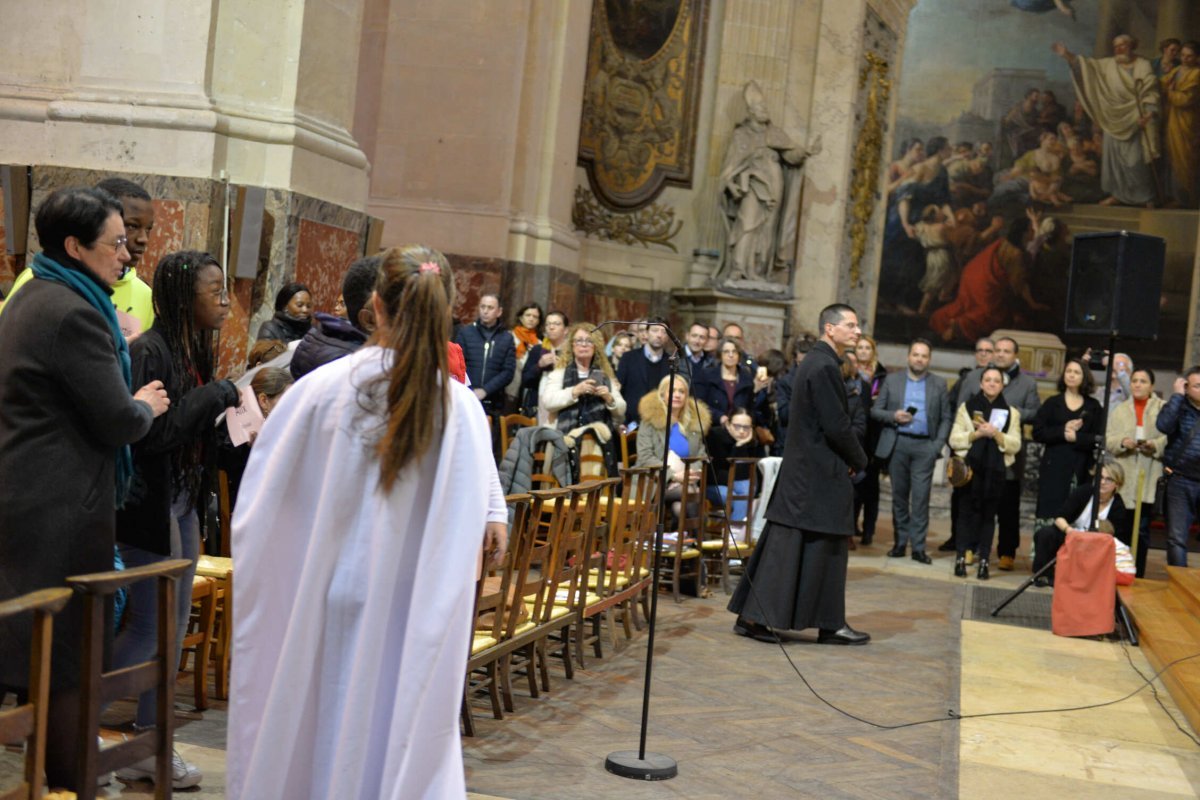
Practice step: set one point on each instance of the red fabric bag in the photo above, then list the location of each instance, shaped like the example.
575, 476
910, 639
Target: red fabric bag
1085, 579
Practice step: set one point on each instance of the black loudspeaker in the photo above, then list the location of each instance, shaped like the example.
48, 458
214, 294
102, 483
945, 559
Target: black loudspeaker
1115, 284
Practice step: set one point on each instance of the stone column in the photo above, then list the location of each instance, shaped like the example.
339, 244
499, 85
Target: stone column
1176, 18
1114, 20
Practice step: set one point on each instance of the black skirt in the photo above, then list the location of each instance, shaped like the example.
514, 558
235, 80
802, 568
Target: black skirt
794, 580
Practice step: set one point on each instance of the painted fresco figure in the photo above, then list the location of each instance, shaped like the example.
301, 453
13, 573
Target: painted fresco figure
1121, 95
760, 196
1042, 6
1181, 93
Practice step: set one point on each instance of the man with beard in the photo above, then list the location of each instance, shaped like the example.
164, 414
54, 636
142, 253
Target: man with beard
1121, 94
796, 577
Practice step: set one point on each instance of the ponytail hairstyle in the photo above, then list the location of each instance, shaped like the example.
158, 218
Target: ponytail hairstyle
416, 289
191, 350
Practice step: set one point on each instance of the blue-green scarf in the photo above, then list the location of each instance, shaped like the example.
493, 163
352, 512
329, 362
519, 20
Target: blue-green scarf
48, 269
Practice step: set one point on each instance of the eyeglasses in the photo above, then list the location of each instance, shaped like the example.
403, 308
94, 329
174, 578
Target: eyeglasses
583, 342
118, 244
738, 427
219, 295
984, 350
1106, 479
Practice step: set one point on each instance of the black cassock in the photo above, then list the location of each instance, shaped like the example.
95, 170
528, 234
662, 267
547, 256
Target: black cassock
796, 577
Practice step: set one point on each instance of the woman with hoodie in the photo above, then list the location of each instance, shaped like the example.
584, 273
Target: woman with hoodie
293, 314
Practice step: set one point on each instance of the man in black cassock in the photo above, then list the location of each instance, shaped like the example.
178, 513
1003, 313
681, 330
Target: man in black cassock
796, 577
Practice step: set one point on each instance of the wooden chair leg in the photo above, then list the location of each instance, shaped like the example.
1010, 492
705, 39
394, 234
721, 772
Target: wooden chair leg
506, 683
494, 690
468, 719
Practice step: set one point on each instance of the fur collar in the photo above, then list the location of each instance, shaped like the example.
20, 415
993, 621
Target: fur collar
654, 413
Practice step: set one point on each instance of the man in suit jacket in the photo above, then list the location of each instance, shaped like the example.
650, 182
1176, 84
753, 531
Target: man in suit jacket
1021, 391
910, 444
798, 569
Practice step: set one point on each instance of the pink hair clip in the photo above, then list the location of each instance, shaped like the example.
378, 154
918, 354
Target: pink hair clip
429, 266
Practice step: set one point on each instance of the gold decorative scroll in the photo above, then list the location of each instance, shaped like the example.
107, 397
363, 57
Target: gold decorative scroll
641, 95
864, 191
654, 224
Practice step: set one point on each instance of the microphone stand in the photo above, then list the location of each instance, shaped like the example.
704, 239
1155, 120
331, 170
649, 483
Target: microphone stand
639, 764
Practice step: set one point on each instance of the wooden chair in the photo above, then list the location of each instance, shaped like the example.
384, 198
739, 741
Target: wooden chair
725, 537
221, 571
643, 522
199, 638
680, 556
224, 514
629, 449
615, 579
492, 595
509, 424
588, 519
591, 458
28, 720
99, 688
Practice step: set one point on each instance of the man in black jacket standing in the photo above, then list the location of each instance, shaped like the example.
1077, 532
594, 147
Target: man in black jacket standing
641, 370
797, 572
490, 354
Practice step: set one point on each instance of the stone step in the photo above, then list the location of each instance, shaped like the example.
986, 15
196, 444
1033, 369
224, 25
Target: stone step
1168, 630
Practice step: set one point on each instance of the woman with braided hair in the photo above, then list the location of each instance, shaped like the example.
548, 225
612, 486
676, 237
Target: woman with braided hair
160, 519
369, 495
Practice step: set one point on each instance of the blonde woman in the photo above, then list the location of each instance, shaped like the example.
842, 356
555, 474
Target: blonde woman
1137, 446
582, 390
680, 423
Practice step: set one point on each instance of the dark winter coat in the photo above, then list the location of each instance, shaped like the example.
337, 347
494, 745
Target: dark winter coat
517, 464
145, 521
64, 411
710, 387
639, 376
283, 328
1177, 419
329, 339
491, 357
813, 491
1064, 462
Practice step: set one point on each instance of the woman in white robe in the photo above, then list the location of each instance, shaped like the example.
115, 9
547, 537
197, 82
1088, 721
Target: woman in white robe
355, 551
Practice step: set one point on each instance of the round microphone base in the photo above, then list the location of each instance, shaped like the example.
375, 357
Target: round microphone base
654, 767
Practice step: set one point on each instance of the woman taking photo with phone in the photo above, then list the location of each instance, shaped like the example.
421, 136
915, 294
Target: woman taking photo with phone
581, 390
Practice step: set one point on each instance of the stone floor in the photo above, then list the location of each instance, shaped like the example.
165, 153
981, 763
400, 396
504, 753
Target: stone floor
740, 721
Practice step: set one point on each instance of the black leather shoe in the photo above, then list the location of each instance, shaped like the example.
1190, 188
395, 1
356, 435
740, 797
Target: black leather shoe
960, 567
752, 630
982, 574
1042, 581
868, 539
896, 552
948, 546
919, 555
843, 635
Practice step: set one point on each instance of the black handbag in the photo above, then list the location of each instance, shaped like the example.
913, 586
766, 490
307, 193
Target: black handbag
1160, 494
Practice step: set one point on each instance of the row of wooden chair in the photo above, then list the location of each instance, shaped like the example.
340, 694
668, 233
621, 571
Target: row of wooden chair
97, 688
591, 461
576, 558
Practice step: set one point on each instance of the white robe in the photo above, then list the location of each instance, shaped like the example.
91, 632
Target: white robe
352, 608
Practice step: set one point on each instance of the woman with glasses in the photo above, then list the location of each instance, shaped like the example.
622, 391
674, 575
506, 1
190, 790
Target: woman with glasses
730, 384
734, 439
581, 392
173, 474
68, 413
1076, 514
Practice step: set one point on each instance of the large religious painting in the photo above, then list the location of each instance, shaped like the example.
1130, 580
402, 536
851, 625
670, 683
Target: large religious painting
1021, 123
641, 96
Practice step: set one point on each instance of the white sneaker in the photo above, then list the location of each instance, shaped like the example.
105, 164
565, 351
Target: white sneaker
183, 774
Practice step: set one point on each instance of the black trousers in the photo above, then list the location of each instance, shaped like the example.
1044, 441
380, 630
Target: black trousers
976, 526
866, 499
1046, 541
1008, 514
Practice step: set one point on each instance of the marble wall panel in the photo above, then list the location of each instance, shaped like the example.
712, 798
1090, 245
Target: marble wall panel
323, 254
234, 343
473, 278
166, 237
10, 266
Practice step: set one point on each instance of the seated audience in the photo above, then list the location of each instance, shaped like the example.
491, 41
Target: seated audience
580, 392
987, 435
1076, 514
293, 314
733, 439
332, 337
680, 424
1135, 443
1069, 425
268, 385
265, 350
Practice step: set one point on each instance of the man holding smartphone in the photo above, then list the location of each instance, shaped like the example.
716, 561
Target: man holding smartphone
914, 409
